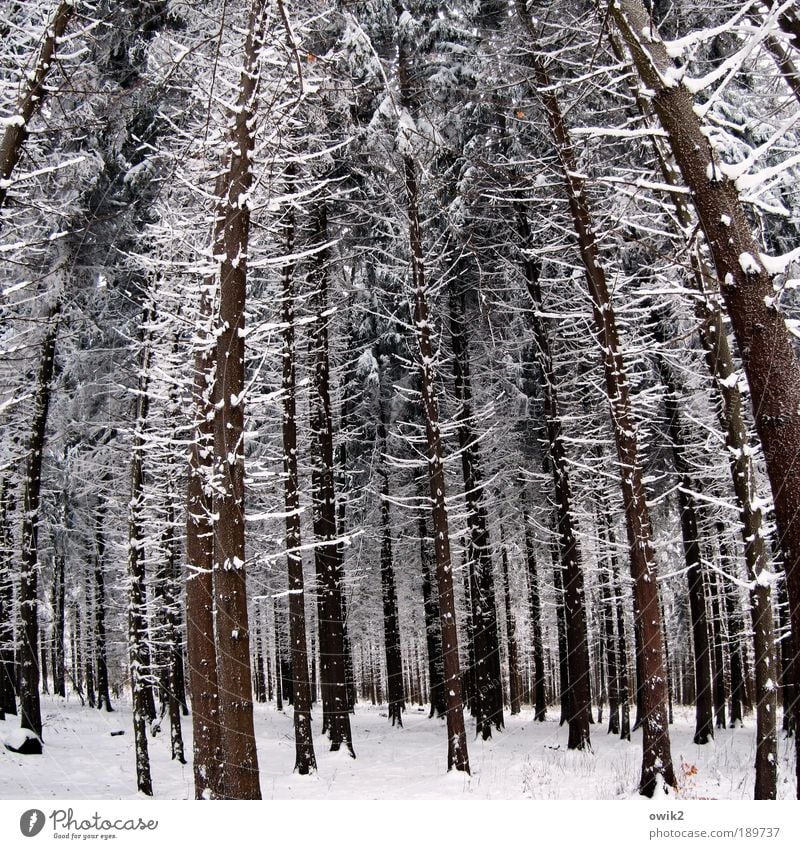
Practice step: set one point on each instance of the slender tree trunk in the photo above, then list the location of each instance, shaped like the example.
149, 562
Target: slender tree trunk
33, 96
305, 759
433, 628
514, 676
611, 646
139, 655
487, 690
391, 619
535, 608
207, 761
615, 586
704, 720
103, 695
328, 552
8, 702
579, 716
768, 355
565, 693
718, 657
31, 715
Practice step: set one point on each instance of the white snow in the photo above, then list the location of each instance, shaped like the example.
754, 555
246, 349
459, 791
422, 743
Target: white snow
529, 760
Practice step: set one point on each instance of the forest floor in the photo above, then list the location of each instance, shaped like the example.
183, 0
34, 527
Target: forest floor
528, 760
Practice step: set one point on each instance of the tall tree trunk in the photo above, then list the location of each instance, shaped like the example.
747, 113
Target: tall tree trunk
704, 720
237, 736
514, 676
33, 96
8, 701
579, 716
457, 754
391, 619
138, 651
327, 552
103, 695
768, 355
433, 628
487, 692
535, 608
610, 538
607, 623
305, 759
30, 709
207, 761
656, 752
718, 656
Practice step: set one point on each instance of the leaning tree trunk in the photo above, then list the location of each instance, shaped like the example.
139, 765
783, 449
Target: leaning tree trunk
231, 626
30, 709
33, 96
768, 355
305, 760
656, 752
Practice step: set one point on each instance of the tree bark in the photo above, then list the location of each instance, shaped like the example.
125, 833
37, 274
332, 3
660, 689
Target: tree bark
535, 609
391, 619
28, 653
433, 631
237, 737
305, 759
328, 552
768, 354
138, 650
33, 96
514, 676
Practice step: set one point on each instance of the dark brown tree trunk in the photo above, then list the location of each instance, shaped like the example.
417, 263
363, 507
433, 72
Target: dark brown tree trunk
237, 737
768, 355
327, 552
200, 643
28, 652
391, 620
433, 628
457, 754
278, 660
656, 754
32, 97
734, 627
305, 759
535, 608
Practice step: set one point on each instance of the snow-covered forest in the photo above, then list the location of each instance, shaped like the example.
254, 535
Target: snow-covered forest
399, 399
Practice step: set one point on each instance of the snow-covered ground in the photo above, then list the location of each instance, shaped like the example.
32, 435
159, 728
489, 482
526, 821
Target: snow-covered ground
528, 760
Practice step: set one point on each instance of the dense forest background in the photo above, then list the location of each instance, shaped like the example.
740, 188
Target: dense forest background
404, 353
